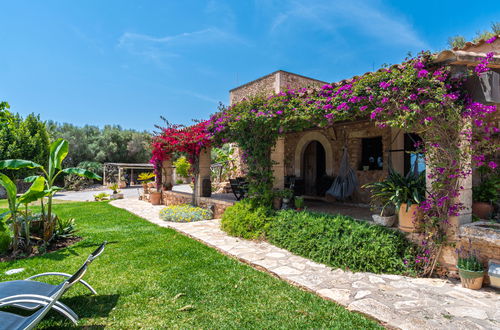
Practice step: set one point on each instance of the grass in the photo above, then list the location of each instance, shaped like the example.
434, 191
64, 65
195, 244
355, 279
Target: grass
148, 275
4, 204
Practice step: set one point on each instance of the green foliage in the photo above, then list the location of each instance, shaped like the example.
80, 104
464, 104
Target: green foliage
114, 187
24, 139
5, 115
141, 274
247, 220
342, 242
109, 144
65, 228
101, 197
182, 167
470, 262
185, 213
460, 41
487, 191
146, 177
299, 202
95, 167
397, 189
58, 151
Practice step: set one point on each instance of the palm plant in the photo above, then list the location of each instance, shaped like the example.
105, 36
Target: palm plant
58, 152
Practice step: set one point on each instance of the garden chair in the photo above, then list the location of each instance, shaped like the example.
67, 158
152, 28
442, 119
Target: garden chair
238, 189
13, 321
11, 289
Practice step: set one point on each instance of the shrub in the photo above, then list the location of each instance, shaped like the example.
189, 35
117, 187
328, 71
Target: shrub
5, 237
244, 219
182, 167
185, 213
342, 242
101, 197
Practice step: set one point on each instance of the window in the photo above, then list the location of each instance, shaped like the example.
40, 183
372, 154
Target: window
412, 159
372, 155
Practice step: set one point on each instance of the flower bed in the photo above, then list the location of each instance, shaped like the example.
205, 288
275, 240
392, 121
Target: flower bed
185, 213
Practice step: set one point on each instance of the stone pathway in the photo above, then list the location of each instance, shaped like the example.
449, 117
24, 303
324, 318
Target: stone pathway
396, 301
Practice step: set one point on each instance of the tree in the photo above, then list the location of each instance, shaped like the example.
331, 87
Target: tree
25, 139
459, 41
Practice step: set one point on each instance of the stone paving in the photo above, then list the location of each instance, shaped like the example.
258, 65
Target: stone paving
396, 301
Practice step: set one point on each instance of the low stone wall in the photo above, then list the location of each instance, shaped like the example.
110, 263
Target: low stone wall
176, 198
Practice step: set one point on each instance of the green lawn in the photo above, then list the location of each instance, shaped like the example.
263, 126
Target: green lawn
147, 274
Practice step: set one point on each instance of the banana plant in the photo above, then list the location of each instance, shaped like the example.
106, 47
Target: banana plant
36, 191
58, 152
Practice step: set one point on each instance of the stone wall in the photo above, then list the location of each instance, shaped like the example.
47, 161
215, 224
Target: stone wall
350, 134
272, 83
176, 198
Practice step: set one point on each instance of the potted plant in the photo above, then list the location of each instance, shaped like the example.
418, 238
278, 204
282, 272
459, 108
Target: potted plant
381, 201
145, 178
116, 192
404, 192
287, 195
484, 196
471, 270
299, 203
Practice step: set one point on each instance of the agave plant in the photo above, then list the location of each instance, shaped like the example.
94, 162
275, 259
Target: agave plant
58, 152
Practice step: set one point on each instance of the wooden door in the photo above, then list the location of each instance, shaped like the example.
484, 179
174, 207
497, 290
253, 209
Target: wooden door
310, 168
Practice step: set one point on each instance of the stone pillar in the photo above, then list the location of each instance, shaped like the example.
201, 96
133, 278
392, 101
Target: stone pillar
278, 157
167, 176
119, 181
398, 154
204, 189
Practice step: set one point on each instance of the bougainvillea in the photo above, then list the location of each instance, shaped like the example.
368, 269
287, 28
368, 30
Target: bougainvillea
416, 96
180, 139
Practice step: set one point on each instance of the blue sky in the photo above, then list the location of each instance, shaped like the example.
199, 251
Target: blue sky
128, 62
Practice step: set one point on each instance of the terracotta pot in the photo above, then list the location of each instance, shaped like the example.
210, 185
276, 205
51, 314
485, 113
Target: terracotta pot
471, 279
276, 203
409, 220
155, 198
482, 210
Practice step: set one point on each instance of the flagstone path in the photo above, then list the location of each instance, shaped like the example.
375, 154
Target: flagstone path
396, 301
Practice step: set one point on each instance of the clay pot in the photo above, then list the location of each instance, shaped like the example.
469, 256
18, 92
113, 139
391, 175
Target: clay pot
409, 220
155, 198
482, 210
471, 279
276, 203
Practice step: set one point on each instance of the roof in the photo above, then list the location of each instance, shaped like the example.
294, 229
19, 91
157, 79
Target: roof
273, 73
131, 165
472, 53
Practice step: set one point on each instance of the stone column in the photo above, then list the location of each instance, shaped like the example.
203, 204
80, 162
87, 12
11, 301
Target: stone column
167, 176
397, 143
204, 189
278, 157
119, 181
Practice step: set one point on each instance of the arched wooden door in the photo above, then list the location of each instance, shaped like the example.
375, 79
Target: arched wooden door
314, 165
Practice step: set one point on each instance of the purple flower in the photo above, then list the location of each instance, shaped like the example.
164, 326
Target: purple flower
492, 165
418, 65
491, 40
384, 84
363, 108
422, 73
279, 112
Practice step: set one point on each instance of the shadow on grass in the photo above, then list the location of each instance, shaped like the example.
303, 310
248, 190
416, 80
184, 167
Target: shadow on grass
92, 306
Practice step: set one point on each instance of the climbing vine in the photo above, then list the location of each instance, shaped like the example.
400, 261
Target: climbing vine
416, 96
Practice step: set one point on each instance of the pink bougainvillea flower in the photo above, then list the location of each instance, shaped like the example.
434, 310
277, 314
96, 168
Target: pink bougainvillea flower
491, 40
492, 165
385, 84
422, 73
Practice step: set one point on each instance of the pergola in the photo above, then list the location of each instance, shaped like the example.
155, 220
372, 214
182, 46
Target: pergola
111, 168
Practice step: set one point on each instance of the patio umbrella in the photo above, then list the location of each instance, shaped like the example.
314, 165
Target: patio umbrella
346, 182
